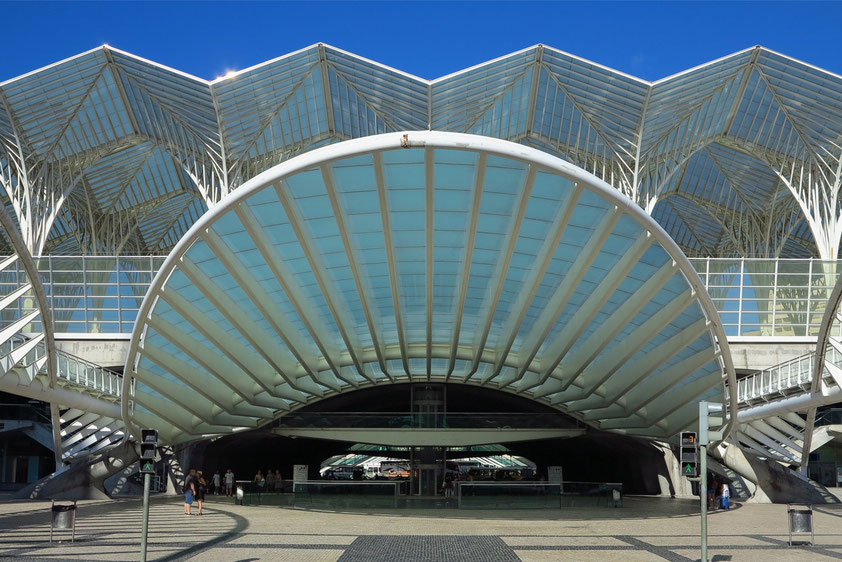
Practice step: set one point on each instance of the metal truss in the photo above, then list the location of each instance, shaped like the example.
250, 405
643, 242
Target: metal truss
108, 153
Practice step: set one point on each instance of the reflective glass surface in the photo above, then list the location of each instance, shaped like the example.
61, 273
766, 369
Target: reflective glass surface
418, 264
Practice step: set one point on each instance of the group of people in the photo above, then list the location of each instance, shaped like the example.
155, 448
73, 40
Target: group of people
196, 488
270, 482
719, 493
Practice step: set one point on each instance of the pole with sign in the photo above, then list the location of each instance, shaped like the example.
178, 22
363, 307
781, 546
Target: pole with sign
148, 444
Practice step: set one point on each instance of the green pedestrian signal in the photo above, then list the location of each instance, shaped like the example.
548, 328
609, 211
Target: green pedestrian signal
688, 456
148, 444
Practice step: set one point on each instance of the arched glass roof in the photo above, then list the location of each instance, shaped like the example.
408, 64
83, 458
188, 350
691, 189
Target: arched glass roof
424, 256
737, 157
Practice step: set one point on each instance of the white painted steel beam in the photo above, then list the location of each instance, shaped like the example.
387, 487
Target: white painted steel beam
257, 368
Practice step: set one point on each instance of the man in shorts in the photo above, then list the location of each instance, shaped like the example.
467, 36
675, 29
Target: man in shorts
189, 491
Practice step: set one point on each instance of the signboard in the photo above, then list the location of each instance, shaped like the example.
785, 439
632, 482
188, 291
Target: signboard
554, 474
299, 472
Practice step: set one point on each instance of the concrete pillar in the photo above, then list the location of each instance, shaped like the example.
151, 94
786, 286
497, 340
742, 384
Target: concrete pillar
4, 475
32, 469
673, 484
84, 479
774, 482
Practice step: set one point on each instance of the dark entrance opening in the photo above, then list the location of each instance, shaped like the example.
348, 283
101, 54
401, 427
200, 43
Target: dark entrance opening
592, 456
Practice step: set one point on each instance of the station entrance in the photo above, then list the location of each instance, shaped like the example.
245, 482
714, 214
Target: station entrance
408, 440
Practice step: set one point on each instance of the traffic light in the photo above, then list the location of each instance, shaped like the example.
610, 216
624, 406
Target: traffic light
148, 444
689, 456
710, 415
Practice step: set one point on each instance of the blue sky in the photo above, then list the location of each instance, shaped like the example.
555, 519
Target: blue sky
429, 39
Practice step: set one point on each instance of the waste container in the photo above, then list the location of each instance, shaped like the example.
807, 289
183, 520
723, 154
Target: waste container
63, 519
800, 522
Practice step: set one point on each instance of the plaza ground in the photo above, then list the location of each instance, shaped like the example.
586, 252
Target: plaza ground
644, 529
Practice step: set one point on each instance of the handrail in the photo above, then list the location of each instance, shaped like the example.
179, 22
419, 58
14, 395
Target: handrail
755, 297
795, 373
70, 368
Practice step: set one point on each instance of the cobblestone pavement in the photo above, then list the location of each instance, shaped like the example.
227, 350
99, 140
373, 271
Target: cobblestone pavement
645, 529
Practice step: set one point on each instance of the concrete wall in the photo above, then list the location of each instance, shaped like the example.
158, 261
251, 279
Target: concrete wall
758, 356
110, 350
106, 351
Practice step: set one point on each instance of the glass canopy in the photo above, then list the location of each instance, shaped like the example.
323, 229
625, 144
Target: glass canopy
107, 153
424, 256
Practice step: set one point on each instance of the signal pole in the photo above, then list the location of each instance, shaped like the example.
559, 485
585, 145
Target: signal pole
703, 496
145, 526
705, 437
148, 444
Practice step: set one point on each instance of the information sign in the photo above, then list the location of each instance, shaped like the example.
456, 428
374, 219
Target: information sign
299, 472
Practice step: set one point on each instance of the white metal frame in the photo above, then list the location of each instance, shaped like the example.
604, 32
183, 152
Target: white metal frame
428, 140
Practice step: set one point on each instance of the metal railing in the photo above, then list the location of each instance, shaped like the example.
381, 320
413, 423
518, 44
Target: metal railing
754, 297
789, 377
448, 420
72, 369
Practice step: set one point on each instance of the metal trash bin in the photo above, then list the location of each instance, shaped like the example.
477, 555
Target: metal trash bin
800, 521
63, 518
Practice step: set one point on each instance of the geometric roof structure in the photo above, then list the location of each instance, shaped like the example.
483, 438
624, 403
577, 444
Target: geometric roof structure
109, 153
424, 256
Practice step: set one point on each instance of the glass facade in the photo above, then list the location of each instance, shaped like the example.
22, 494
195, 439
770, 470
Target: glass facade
754, 297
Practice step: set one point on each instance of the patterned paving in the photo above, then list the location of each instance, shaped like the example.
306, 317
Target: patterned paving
644, 530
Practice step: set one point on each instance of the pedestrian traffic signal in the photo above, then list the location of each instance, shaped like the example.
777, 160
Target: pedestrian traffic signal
148, 444
688, 454
710, 415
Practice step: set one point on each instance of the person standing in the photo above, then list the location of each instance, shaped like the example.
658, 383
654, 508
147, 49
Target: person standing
448, 486
712, 483
259, 482
189, 491
201, 490
229, 482
217, 479
726, 496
